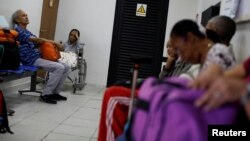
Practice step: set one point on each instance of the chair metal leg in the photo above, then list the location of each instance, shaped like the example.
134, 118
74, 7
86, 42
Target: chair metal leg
80, 81
32, 85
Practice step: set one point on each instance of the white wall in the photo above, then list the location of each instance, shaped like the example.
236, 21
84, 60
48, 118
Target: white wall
32, 7
94, 19
240, 40
178, 10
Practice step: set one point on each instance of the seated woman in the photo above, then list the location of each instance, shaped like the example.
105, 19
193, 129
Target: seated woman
116, 99
192, 46
73, 56
73, 44
219, 29
73, 49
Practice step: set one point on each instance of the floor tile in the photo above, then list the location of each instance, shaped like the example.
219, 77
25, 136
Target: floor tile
29, 130
72, 121
93, 103
63, 137
76, 119
96, 133
75, 130
93, 139
48, 118
88, 113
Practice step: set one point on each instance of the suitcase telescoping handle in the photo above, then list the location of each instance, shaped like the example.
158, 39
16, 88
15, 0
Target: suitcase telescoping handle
137, 60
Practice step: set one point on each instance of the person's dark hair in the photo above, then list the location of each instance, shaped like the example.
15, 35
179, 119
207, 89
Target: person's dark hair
181, 28
78, 32
226, 27
213, 36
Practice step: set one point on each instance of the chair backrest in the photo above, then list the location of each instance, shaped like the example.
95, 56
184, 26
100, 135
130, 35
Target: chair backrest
3, 22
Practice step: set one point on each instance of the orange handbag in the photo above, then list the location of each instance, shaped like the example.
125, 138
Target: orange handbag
49, 51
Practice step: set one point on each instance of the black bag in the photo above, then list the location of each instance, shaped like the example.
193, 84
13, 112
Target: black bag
4, 123
9, 52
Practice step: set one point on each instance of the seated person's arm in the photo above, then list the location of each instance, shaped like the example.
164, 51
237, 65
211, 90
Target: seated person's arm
214, 71
59, 46
36, 40
167, 68
205, 78
62, 46
191, 73
170, 62
231, 87
223, 90
236, 72
219, 59
42, 40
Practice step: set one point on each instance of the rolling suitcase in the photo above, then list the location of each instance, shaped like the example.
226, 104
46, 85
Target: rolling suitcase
116, 101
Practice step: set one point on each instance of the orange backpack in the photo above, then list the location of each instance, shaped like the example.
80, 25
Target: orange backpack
8, 35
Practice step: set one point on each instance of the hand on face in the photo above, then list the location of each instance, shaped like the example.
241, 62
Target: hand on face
76, 36
73, 37
185, 48
222, 91
171, 52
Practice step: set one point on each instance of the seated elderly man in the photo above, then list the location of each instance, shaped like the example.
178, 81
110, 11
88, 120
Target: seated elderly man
31, 56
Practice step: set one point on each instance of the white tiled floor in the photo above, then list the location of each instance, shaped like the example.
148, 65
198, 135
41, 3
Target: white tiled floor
76, 119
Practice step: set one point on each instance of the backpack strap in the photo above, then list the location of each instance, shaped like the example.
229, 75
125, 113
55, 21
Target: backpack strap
1, 52
170, 83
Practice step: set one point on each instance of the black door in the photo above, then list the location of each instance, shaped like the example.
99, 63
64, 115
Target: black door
139, 29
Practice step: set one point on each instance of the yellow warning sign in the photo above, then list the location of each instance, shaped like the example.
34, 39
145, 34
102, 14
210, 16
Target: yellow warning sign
141, 10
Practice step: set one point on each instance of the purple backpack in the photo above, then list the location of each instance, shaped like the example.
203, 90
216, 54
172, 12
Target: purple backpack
165, 111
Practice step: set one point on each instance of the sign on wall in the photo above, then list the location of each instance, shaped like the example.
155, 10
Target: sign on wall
243, 14
141, 10
237, 9
229, 8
